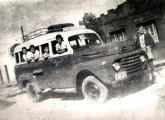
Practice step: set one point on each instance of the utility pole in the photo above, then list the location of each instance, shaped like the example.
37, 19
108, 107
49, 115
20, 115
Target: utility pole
1, 77
7, 74
23, 37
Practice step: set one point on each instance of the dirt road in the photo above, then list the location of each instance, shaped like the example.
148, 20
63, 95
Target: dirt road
148, 103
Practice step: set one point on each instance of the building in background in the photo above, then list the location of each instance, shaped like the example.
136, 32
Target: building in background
120, 24
7, 63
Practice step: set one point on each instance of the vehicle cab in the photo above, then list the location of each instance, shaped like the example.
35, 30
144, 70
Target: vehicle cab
88, 65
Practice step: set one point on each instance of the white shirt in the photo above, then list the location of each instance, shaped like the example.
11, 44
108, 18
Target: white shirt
45, 55
142, 41
36, 55
60, 47
27, 56
30, 56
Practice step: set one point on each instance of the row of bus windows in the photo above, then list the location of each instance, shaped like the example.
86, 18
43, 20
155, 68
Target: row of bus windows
59, 46
19, 55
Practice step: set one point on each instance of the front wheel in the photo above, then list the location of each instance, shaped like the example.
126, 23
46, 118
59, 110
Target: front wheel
94, 91
33, 92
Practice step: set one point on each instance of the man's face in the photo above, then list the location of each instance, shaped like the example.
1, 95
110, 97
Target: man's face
141, 30
47, 49
59, 40
32, 50
24, 51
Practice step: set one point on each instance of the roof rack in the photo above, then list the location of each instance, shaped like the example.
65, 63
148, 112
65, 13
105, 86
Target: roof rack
43, 31
35, 34
38, 33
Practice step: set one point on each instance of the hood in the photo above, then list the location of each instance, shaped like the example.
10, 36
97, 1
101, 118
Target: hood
106, 50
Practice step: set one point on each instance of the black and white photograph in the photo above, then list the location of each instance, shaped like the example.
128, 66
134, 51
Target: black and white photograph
82, 60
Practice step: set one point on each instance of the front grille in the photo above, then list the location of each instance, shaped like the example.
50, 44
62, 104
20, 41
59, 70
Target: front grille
131, 64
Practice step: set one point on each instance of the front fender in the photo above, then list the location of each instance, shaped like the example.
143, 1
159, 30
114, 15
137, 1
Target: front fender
102, 68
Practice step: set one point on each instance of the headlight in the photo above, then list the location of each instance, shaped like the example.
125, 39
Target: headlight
116, 66
142, 58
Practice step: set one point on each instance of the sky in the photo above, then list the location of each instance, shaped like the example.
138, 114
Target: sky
36, 14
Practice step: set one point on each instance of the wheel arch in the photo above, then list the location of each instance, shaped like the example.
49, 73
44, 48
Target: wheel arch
23, 79
82, 75
24, 83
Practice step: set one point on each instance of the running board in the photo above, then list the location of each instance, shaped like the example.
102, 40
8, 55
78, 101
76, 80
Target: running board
68, 90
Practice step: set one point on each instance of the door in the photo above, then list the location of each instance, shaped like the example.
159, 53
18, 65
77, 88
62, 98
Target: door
51, 73
61, 74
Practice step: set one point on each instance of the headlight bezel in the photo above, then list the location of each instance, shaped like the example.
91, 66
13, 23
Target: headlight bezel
116, 66
143, 58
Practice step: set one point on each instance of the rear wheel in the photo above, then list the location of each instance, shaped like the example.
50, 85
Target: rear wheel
94, 91
33, 92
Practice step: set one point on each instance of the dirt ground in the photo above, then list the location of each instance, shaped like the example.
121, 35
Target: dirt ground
134, 103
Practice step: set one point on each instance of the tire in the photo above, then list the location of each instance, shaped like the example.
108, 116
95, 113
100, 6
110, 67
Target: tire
33, 92
94, 91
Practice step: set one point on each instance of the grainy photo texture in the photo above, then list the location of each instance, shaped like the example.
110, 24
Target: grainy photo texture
82, 60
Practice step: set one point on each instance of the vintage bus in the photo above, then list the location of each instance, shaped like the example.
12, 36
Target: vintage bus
88, 66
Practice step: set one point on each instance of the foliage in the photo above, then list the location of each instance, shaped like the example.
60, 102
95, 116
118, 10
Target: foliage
89, 20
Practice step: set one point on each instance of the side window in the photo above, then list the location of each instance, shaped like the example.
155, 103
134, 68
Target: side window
17, 57
43, 47
34, 53
54, 46
21, 54
45, 51
59, 46
84, 40
74, 42
37, 48
37, 54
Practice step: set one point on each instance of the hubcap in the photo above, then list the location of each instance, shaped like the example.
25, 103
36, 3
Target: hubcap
92, 91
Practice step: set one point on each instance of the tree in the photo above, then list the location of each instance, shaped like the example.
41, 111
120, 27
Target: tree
89, 20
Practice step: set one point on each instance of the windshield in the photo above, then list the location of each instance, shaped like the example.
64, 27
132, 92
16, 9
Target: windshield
84, 40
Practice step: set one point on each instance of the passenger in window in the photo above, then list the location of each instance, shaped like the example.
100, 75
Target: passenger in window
26, 55
35, 53
60, 46
46, 53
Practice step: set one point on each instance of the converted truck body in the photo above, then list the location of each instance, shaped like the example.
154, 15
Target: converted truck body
89, 66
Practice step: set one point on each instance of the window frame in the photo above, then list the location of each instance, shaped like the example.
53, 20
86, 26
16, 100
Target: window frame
77, 42
17, 57
70, 50
41, 50
120, 33
49, 42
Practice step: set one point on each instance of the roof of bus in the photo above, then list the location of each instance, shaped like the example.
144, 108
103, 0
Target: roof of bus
49, 37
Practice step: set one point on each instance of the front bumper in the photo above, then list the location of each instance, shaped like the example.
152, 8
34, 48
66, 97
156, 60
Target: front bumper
135, 77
